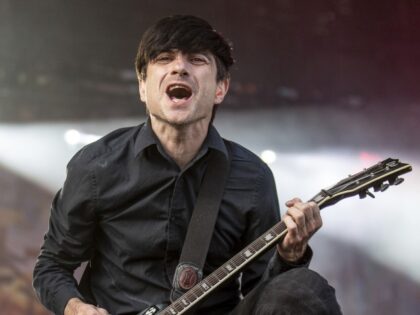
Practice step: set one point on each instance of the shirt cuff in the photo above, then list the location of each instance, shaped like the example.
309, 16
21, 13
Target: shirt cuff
278, 265
62, 297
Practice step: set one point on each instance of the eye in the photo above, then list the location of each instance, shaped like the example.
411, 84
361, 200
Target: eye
163, 58
198, 60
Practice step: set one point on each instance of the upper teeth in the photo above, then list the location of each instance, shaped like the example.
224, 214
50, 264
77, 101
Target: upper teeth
177, 86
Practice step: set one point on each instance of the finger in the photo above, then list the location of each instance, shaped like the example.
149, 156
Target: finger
317, 216
307, 210
291, 202
292, 235
312, 215
298, 216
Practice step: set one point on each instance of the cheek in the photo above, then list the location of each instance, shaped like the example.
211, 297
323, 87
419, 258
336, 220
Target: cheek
152, 91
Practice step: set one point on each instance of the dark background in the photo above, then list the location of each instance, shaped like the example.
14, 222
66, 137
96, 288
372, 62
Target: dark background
77, 56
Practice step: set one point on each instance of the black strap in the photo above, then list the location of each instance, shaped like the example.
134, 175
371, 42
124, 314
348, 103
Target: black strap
201, 226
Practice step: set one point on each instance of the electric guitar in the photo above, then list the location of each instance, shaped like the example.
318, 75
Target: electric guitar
379, 177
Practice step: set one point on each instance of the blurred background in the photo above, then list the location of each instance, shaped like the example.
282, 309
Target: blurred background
321, 89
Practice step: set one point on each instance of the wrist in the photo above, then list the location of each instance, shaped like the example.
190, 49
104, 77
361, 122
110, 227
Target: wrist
72, 306
304, 261
292, 257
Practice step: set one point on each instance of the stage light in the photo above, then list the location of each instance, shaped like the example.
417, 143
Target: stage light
268, 156
72, 136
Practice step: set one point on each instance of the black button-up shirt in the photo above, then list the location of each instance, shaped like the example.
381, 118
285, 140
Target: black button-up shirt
125, 207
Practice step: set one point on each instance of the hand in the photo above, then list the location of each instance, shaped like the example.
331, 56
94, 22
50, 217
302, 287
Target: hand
76, 306
302, 221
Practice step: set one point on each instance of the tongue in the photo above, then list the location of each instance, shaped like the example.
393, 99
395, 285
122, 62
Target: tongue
177, 99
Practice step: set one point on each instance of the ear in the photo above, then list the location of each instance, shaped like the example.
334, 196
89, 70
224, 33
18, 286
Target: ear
142, 90
221, 90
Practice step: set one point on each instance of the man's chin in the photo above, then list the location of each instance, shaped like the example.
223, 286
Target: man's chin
179, 122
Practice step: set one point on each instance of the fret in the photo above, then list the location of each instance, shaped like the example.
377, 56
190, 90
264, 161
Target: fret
238, 260
190, 296
258, 244
197, 291
220, 273
318, 198
205, 285
212, 279
233, 263
248, 253
269, 236
279, 228
229, 267
178, 307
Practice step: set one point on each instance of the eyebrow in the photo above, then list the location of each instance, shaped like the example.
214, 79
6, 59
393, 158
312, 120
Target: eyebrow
175, 50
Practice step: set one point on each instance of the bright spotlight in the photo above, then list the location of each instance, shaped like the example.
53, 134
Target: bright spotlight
72, 136
268, 156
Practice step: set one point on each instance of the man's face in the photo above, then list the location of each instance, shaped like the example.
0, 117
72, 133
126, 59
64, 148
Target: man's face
181, 89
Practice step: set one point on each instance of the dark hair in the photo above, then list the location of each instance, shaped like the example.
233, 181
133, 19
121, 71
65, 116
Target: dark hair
188, 34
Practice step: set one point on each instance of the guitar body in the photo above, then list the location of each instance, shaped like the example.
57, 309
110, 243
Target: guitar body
379, 177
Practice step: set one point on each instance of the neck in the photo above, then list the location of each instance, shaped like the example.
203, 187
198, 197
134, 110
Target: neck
180, 142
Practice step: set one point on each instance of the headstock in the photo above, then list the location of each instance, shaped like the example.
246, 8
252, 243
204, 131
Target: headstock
379, 177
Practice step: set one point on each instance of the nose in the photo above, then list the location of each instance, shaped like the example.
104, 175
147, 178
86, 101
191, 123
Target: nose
180, 65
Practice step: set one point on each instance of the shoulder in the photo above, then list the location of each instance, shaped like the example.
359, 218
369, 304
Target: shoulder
117, 140
252, 182
246, 160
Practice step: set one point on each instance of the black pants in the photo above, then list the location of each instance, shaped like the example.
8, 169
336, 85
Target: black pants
297, 291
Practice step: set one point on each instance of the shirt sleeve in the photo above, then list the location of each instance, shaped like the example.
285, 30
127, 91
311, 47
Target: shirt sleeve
265, 215
277, 265
68, 241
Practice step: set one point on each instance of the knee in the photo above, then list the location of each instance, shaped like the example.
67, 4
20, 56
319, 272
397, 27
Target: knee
297, 291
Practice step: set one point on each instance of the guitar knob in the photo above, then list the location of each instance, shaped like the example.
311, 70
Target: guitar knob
370, 194
365, 193
398, 181
384, 187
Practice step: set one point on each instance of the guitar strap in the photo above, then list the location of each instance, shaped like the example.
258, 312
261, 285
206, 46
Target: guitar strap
200, 229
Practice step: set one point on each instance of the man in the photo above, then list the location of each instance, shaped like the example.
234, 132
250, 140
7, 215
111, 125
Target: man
128, 198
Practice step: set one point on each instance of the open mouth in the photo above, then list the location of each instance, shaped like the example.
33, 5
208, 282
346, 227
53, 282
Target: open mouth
178, 92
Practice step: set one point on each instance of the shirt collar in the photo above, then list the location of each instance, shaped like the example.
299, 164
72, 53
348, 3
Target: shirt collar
215, 141
146, 137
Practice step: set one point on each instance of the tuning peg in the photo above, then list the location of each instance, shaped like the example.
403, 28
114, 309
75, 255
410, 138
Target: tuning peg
398, 181
370, 194
384, 187
365, 193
